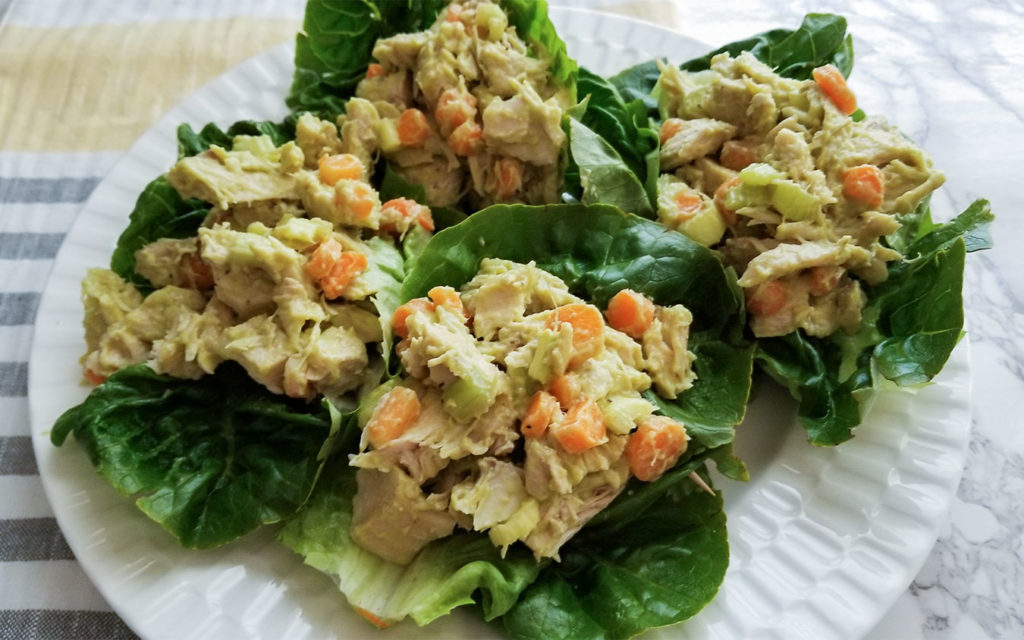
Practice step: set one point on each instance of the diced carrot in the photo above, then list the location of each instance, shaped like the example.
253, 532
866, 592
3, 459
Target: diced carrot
449, 298
688, 204
582, 428
454, 107
630, 312
93, 377
333, 268
346, 268
654, 447
393, 415
453, 13
539, 414
372, 619
402, 313
864, 183
587, 330
425, 219
736, 155
832, 83
343, 166
326, 254
467, 139
566, 389
199, 273
767, 298
358, 198
509, 173
413, 128
406, 209
824, 279
669, 128
373, 70
720, 193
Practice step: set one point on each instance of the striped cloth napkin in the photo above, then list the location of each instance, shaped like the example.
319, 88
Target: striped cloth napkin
79, 82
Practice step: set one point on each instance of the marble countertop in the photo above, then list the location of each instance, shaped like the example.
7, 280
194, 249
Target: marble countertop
946, 72
951, 70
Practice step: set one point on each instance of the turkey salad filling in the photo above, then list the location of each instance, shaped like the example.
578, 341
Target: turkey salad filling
795, 193
465, 108
280, 277
520, 415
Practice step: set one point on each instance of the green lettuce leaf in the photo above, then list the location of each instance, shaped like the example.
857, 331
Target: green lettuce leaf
209, 460
530, 18
455, 571
598, 250
656, 556
604, 176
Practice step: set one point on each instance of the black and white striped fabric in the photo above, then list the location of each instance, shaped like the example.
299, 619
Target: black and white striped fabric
43, 591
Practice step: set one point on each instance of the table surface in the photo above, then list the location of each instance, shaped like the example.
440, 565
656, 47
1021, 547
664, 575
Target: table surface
80, 81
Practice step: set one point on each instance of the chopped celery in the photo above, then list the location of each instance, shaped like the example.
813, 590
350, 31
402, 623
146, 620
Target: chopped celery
301, 233
491, 17
259, 146
518, 526
551, 357
792, 201
387, 135
472, 393
760, 174
746, 195
622, 412
707, 227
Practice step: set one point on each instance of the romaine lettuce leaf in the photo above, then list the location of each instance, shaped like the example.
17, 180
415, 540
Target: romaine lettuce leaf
598, 250
657, 555
617, 142
209, 460
446, 574
604, 177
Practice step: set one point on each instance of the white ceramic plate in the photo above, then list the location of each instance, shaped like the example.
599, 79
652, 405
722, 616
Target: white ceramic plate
823, 540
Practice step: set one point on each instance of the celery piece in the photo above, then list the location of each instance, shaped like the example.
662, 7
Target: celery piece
491, 17
470, 395
387, 135
622, 412
259, 146
707, 227
551, 357
746, 195
792, 201
760, 174
302, 233
518, 526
